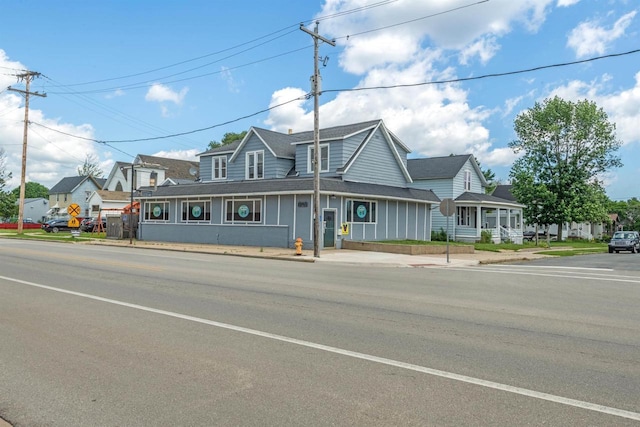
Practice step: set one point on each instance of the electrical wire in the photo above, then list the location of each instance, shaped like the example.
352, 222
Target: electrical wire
436, 82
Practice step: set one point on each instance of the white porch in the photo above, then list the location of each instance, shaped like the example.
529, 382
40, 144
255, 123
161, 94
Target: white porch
504, 223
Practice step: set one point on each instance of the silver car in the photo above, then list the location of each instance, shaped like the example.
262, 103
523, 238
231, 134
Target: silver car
625, 241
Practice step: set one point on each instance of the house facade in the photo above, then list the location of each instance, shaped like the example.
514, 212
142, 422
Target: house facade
73, 189
259, 191
459, 178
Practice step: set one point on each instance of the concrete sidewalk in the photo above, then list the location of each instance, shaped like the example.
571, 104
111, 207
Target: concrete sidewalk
342, 256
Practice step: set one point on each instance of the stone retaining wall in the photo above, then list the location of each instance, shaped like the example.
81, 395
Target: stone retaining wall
406, 249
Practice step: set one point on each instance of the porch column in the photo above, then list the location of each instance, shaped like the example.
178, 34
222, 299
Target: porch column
479, 223
508, 219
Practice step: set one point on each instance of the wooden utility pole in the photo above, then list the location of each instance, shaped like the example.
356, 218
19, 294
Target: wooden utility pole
27, 76
315, 84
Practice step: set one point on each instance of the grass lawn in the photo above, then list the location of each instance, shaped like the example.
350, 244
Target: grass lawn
63, 236
573, 247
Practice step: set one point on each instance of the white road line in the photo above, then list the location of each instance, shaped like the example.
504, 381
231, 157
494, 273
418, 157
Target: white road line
600, 278
558, 267
354, 354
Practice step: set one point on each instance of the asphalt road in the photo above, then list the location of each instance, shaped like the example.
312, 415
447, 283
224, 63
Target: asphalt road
107, 336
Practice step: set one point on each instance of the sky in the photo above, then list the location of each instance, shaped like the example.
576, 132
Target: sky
123, 78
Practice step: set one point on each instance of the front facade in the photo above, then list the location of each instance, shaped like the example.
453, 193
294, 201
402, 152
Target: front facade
459, 178
259, 192
70, 190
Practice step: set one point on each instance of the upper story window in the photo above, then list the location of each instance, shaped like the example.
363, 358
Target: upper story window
219, 167
255, 165
324, 158
467, 180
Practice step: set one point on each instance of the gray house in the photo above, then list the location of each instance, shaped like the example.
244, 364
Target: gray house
259, 192
460, 178
73, 189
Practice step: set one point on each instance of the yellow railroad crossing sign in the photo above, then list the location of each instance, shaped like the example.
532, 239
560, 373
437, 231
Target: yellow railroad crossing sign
73, 222
73, 210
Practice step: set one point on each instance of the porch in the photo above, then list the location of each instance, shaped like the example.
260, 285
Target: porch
504, 223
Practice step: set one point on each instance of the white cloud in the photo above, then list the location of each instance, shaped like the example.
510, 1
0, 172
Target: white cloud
589, 38
567, 3
115, 94
162, 93
431, 120
179, 154
622, 107
485, 49
51, 155
227, 76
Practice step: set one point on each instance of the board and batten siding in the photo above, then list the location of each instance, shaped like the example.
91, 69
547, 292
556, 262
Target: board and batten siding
376, 164
302, 158
236, 170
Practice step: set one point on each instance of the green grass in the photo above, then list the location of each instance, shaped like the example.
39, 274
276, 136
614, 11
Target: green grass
577, 247
63, 236
572, 252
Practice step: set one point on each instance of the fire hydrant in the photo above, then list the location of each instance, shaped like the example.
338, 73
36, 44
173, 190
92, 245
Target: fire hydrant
298, 245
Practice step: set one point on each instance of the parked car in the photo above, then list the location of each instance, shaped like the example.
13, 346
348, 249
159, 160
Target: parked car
531, 235
57, 225
625, 241
88, 224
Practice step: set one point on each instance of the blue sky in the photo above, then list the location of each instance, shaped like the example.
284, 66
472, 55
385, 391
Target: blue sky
122, 70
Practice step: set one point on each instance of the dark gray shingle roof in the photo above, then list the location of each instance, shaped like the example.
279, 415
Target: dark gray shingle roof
436, 167
504, 192
477, 197
69, 183
293, 185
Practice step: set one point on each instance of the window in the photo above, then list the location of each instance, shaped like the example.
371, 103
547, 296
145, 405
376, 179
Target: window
196, 210
324, 158
244, 210
87, 194
467, 180
361, 211
156, 211
95, 208
153, 179
255, 165
219, 167
465, 215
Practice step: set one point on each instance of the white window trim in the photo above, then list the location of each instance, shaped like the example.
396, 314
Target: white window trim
245, 201
255, 164
214, 168
193, 221
310, 158
147, 206
467, 180
352, 213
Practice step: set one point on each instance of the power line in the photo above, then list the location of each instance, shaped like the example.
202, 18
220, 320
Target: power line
307, 96
106, 142
485, 76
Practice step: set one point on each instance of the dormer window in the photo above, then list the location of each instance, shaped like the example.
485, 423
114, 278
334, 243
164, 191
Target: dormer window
467, 180
324, 158
219, 167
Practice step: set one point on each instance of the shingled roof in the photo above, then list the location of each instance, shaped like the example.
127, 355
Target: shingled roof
174, 168
291, 185
70, 183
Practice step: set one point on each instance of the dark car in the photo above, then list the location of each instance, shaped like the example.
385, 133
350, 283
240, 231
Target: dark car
88, 224
57, 225
625, 241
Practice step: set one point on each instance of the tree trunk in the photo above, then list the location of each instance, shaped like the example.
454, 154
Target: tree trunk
559, 237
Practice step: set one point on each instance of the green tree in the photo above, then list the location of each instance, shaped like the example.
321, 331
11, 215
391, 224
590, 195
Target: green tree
90, 167
8, 206
565, 147
228, 138
489, 176
32, 190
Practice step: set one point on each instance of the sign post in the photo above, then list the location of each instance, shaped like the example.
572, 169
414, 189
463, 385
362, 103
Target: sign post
447, 208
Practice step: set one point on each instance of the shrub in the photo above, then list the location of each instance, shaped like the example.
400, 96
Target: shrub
486, 236
439, 236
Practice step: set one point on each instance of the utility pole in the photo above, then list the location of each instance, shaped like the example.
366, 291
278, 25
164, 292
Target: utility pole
27, 76
315, 85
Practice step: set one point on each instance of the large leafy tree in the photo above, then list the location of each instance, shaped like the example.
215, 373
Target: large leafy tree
228, 138
565, 148
8, 206
32, 190
90, 167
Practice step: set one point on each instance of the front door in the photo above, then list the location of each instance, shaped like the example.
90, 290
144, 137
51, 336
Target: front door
329, 222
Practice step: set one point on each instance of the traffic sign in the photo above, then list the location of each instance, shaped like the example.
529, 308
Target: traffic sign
73, 223
447, 207
73, 210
